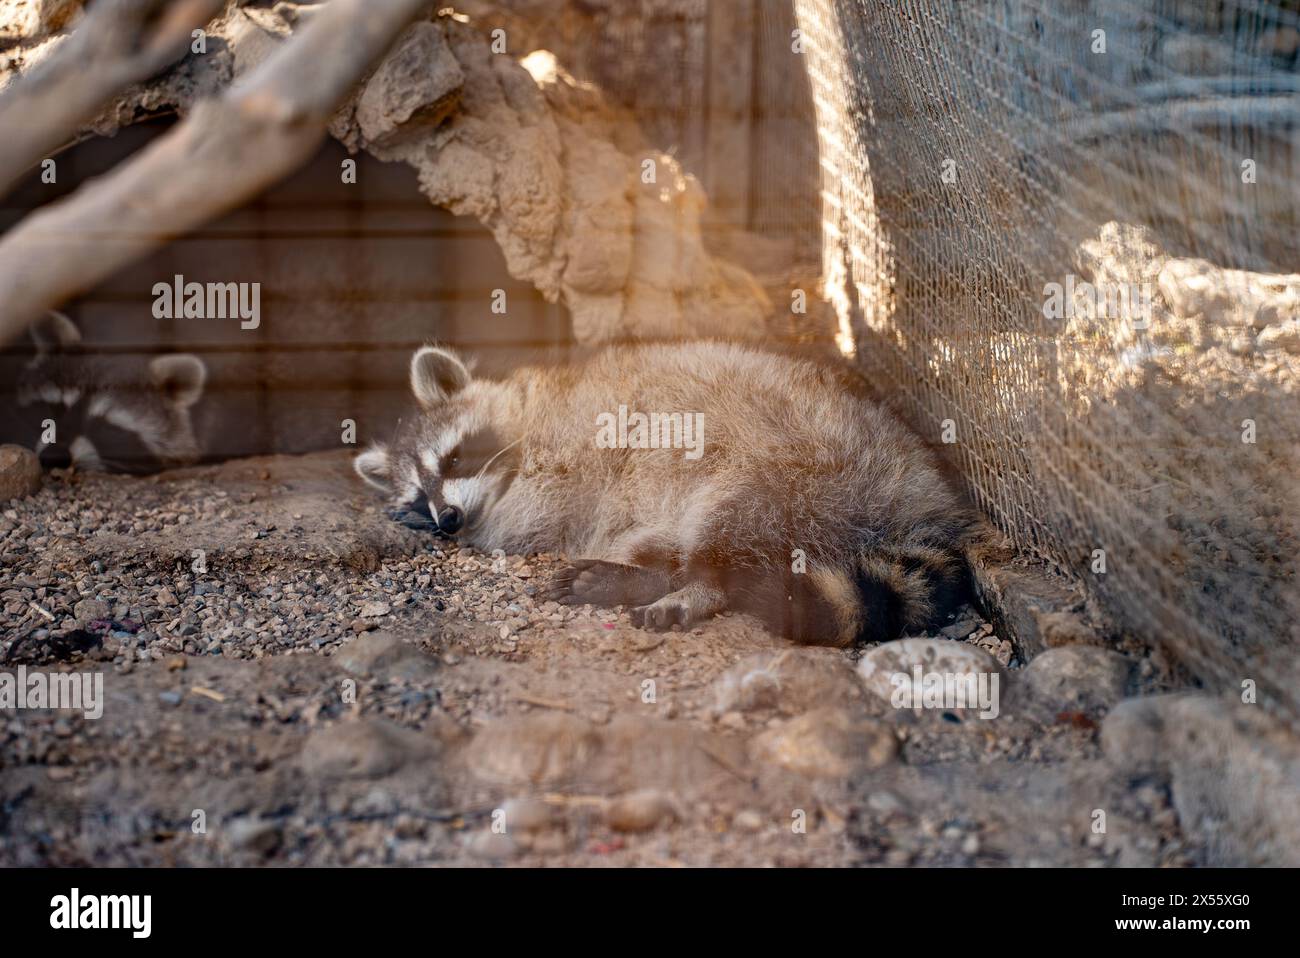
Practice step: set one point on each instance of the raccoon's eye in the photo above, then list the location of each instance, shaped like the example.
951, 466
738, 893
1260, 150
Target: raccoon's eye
450, 462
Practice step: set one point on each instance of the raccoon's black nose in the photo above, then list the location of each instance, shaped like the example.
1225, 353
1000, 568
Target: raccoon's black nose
450, 520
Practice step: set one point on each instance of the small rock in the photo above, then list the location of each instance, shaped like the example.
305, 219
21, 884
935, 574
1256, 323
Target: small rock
534, 749
959, 629
1072, 678
384, 655
88, 610
363, 749
20, 472
748, 820
732, 720
1242, 344
374, 610
790, 681
1285, 336
639, 811
253, 835
528, 815
827, 743
492, 846
885, 804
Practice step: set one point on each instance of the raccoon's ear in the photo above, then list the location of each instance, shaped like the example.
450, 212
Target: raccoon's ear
53, 332
180, 376
437, 374
372, 466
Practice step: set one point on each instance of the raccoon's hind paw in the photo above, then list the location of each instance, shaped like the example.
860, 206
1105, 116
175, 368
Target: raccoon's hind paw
601, 583
685, 607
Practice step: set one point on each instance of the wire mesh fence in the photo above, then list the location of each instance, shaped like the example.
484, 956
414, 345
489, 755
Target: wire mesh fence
1059, 236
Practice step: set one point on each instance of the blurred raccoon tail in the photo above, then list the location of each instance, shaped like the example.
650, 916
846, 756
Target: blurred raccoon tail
881, 594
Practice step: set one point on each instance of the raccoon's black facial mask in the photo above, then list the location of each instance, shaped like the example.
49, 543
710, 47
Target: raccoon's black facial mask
474, 455
470, 477
86, 440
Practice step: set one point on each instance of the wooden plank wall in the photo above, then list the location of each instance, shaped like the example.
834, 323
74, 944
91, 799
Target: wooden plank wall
354, 277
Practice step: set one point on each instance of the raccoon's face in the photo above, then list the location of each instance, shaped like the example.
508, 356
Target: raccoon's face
451, 463
100, 413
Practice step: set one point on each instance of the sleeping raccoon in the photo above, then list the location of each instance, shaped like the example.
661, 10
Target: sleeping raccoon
121, 414
809, 507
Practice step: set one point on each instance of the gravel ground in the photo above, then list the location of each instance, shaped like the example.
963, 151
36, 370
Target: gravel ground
331, 688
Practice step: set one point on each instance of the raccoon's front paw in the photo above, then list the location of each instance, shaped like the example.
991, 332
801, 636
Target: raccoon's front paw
597, 582
684, 607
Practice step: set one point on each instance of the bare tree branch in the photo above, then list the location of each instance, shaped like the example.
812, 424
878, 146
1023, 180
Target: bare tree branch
117, 43
226, 151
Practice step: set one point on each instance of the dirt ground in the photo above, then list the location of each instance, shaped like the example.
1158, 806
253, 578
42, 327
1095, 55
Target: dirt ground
335, 689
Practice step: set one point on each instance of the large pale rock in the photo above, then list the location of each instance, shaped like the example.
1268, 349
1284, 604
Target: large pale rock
880, 667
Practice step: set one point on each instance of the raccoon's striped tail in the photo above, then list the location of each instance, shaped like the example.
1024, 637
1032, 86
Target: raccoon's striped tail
907, 588
882, 594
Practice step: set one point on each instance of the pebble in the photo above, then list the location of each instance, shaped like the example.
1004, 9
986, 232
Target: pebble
639, 811
254, 835
383, 655
537, 749
528, 815
492, 846
88, 610
827, 743
790, 681
362, 749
